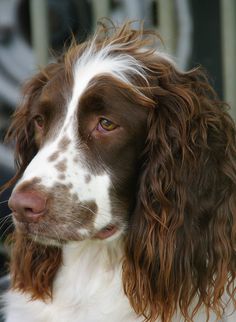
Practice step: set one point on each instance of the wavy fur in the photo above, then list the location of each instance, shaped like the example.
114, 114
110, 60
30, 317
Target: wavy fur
181, 242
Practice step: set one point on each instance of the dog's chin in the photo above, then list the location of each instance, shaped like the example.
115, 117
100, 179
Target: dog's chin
40, 235
56, 241
49, 238
46, 241
108, 233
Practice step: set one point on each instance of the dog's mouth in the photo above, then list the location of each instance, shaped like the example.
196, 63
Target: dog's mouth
35, 232
106, 232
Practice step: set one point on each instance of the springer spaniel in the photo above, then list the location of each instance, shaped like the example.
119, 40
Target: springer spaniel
125, 202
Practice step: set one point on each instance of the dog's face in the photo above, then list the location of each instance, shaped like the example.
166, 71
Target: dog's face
89, 135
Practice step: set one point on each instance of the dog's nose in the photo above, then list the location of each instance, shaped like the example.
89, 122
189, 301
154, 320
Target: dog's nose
27, 206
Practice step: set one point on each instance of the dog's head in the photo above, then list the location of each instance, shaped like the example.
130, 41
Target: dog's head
114, 140
81, 132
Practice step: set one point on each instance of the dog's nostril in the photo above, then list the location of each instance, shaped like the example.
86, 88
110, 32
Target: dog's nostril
28, 206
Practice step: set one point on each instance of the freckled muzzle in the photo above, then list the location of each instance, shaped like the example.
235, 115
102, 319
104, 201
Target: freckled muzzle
55, 214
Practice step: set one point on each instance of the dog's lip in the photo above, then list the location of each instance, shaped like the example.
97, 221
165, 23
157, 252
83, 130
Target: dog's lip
106, 232
31, 229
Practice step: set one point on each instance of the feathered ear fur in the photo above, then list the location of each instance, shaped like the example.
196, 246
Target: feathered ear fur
32, 266
180, 251
21, 131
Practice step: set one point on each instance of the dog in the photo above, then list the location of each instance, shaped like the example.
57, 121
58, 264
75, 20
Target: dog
124, 202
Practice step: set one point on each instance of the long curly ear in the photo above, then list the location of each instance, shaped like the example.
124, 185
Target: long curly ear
33, 266
180, 251
21, 131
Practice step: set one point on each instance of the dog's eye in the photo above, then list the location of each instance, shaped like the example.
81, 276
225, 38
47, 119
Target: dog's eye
39, 121
106, 125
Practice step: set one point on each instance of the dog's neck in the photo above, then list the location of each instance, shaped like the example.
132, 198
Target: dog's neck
99, 252
88, 266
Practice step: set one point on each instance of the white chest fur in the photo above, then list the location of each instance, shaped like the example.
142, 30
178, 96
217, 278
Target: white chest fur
88, 288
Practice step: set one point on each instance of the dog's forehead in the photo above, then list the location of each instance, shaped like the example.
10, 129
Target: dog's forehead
106, 61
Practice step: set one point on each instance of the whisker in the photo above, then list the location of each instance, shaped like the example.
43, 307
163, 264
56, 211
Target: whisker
75, 221
58, 237
4, 220
4, 201
55, 231
4, 217
87, 208
3, 235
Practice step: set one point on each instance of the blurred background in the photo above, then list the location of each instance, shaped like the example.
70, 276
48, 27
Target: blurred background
195, 32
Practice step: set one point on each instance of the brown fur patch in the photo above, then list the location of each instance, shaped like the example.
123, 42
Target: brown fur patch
61, 166
63, 144
85, 212
54, 156
75, 197
29, 184
33, 266
76, 159
87, 178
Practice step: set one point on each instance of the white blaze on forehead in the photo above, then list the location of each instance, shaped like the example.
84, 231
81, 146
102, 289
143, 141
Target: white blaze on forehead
93, 63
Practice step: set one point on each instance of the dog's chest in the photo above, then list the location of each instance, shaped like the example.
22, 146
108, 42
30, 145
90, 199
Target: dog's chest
108, 304
95, 292
88, 288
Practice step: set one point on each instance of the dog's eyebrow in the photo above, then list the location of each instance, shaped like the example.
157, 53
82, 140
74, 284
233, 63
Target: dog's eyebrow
44, 102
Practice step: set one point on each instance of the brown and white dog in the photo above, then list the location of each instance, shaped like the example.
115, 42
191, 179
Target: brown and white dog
125, 202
